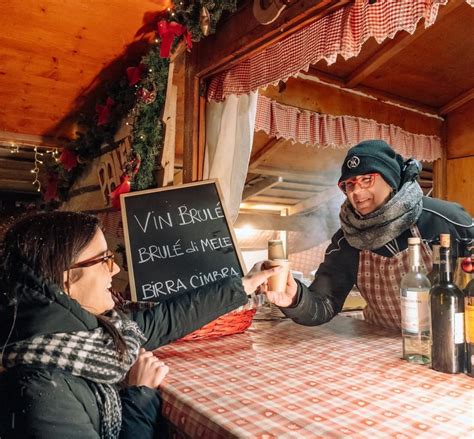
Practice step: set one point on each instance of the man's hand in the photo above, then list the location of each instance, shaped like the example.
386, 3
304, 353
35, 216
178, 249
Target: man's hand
147, 371
287, 298
257, 277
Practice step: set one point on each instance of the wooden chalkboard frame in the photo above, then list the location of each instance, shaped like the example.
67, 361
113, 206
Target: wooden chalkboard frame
128, 247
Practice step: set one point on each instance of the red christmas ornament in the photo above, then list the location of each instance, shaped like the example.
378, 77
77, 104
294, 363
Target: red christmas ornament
134, 74
103, 111
467, 265
146, 96
168, 30
68, 159
122, 188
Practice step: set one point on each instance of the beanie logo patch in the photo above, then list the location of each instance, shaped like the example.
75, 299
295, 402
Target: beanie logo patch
353, 162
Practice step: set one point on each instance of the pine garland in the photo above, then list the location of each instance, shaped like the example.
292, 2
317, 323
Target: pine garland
148, 127
128, 101
188, 13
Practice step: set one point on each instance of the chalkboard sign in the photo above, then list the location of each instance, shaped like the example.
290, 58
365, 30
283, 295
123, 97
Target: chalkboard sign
177, 239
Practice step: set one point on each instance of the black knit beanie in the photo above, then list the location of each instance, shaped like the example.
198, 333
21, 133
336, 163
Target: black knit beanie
372, 156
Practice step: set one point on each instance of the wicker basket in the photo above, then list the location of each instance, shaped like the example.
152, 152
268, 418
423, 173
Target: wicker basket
234, 322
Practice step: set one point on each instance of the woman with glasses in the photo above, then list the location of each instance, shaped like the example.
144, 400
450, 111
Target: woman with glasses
384, 206
73, 366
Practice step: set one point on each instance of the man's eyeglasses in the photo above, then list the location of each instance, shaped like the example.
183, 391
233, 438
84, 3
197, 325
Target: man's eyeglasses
108, 259
364, 181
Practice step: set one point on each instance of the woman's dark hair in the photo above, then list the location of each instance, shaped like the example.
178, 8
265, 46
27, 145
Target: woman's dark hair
49, 243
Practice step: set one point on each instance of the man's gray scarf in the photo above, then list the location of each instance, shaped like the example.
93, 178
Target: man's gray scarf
376, 229
90, 355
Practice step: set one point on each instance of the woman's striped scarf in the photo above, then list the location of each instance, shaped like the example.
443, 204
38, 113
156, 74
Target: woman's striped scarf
90, 355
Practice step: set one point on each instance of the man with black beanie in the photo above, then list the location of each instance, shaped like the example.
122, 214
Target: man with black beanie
384, 207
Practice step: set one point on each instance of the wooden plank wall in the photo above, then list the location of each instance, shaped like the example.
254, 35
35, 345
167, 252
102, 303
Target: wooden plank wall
328, 99
460, 156
317, 97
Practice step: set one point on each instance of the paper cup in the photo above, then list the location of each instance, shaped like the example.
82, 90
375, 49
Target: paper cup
278, 281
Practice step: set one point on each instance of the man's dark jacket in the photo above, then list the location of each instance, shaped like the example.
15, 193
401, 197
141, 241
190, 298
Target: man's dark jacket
324, 298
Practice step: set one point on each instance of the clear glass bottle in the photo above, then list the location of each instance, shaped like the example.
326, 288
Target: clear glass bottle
447, 317
414, 297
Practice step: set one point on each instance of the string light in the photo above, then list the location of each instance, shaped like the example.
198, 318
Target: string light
36, 168
54, 154
14, 149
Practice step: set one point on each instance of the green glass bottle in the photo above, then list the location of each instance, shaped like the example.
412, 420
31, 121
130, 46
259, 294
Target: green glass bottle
447, 317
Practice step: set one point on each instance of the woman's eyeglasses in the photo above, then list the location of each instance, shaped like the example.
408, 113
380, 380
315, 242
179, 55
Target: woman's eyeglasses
364, 181
108, 259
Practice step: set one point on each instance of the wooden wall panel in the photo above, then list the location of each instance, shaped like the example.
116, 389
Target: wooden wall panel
460, 131
460, 182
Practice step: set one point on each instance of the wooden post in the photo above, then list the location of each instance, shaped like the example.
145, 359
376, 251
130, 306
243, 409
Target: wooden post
439, 168
192, 119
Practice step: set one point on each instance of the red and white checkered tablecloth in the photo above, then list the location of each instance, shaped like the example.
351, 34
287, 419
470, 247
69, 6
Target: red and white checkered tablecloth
342, 32
282, 380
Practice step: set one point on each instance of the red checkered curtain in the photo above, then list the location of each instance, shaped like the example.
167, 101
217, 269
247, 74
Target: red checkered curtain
315, 129
341, 33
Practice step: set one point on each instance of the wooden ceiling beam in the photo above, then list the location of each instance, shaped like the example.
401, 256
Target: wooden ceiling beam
16, 174
376, 94
18, 186
387, 52
29, 140
393, 47
274, 222
315, 201
256, 207
265, 152
20, 165
244, 35
292, 175
259, 187
457, 102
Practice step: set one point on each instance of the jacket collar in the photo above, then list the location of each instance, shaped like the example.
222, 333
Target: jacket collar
41, 307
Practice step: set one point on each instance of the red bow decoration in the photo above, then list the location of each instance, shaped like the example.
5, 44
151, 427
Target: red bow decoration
68, 159
131, 168
167, 30
122, 188
103, 111
133, 165
134, 74
51, 192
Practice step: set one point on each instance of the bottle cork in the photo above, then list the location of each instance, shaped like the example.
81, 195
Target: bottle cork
445, 240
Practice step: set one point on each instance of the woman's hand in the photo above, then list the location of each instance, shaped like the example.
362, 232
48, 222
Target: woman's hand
147, 371
258, 276
287, 298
